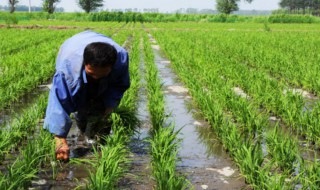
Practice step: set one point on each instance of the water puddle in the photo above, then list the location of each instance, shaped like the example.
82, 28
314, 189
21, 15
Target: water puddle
23, 102
203, 158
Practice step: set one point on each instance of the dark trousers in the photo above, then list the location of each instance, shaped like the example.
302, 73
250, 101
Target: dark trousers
91, 120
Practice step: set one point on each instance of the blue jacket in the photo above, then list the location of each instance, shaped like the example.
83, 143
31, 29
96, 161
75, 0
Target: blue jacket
66, 95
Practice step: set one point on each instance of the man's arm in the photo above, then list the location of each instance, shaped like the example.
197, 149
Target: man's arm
57, 119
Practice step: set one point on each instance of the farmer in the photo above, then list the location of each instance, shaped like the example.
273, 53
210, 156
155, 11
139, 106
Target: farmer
91, 77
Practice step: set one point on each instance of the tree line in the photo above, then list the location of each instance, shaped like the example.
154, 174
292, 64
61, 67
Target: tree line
50, 5
223, 6
301, 6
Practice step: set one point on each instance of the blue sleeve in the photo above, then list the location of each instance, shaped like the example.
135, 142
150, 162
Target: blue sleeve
60, 105
115, 91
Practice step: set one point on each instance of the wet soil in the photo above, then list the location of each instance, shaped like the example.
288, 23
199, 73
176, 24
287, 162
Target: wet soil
202, 158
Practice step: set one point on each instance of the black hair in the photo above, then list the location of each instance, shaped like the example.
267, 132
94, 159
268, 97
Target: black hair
99, 54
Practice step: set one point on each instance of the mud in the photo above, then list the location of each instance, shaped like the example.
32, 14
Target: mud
202, 158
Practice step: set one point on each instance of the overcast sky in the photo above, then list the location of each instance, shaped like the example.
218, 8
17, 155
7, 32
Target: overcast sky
163, 5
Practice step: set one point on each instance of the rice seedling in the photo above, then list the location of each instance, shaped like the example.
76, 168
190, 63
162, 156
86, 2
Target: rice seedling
25, 167
21, 126
164, 150
111, 158
283, 150
309, 175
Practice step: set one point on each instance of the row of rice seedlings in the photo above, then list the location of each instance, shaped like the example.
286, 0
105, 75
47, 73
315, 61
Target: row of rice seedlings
310, 175
270, 94
246, 152
34, 154
283, 150
265, 90
15, 42
155, 95
64, 24
121, 36
31, 74
283, 56
26, 166
21, 127
249, 155
164, 141
291, 141
111, 159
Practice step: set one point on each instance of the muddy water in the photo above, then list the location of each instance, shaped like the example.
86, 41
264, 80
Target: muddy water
23, 102
203, 159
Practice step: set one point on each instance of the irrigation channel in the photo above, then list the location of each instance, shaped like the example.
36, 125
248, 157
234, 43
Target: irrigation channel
203, 159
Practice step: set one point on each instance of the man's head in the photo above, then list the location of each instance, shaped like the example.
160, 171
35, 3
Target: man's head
98, 59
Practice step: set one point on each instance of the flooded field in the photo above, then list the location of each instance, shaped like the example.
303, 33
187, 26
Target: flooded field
213, 106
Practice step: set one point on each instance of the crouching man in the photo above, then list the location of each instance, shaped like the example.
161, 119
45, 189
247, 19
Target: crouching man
90, 80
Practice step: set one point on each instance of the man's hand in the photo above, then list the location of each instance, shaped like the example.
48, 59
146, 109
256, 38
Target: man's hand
62, 149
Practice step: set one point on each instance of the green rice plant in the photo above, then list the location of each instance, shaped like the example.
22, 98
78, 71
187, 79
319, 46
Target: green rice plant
155, 96
164, 150
25, 167
250, 158
311, 178
22, 125
230, 136
33, 72
266, 27
283, 150
311, 121
111, 158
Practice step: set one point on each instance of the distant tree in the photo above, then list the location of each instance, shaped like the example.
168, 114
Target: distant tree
228, 6
301, 6
90, 5
49, 5
13, 4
